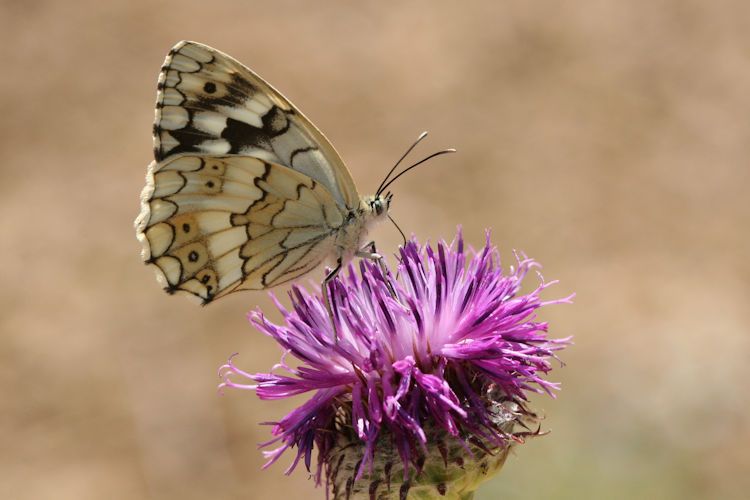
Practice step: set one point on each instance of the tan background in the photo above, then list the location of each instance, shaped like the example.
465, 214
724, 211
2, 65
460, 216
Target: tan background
608, 139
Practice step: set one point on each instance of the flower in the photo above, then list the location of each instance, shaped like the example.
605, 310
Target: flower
430, 370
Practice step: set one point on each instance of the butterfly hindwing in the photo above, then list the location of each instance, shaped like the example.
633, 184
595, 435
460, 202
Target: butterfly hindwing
209, 103
214, 224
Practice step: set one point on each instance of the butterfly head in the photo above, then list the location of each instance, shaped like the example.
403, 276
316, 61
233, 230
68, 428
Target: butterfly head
372, 211
376, 207
380, 204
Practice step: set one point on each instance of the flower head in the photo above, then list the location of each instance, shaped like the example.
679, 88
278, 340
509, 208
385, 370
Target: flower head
445, 352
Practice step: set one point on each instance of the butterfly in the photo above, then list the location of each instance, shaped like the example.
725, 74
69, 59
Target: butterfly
244, 193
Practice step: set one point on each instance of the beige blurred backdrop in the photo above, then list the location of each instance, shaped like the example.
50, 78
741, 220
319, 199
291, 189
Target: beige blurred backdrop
607, 139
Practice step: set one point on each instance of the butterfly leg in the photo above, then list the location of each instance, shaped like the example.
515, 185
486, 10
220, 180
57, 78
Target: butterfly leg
370, 252
327, 297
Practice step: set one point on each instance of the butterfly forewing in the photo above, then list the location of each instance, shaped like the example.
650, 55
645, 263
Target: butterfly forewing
209, 103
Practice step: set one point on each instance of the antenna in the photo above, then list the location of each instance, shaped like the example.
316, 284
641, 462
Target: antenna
421, 136
433, 155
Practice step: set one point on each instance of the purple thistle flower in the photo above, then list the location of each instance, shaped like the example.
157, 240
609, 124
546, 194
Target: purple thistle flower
441, 368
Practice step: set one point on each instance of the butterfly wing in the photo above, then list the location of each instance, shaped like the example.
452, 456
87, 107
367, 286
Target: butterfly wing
210, 103
215, 224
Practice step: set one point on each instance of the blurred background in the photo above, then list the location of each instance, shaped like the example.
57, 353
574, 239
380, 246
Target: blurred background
609, 140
